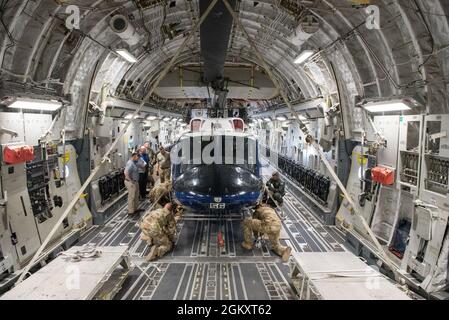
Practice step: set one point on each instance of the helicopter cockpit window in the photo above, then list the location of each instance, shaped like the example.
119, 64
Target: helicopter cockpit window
220, 150
195, 125
238, 125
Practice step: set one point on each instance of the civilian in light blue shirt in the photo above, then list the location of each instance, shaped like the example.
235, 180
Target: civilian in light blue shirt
132, 183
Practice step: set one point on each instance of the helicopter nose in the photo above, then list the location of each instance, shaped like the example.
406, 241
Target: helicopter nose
216, 180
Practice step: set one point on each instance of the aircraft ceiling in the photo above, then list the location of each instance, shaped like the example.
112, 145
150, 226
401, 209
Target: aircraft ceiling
406, 56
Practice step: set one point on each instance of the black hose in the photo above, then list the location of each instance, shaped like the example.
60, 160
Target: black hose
430, 33
87, 107
337, 83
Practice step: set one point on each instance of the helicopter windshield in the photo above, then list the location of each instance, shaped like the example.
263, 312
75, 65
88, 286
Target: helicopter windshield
220, 150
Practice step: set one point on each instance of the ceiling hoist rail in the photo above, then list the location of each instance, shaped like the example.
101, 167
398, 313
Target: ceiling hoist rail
105, 158
311, 140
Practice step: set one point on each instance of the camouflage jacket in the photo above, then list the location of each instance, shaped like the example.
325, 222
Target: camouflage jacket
276, 186
160, 221
267, 216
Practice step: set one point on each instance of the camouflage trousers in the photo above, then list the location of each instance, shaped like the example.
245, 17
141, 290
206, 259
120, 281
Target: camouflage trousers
255, 227
165, 175
163, 243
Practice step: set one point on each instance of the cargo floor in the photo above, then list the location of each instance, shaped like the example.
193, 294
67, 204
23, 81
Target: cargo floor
198, 268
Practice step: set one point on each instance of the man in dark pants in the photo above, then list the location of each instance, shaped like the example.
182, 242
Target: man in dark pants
143, 166
151, 157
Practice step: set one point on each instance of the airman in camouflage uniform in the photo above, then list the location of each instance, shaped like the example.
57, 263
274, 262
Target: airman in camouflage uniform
161, 193
266, 223
276, 189
179, 211
159, 230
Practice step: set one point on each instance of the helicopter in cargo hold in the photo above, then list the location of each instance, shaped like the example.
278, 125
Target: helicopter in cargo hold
215, 167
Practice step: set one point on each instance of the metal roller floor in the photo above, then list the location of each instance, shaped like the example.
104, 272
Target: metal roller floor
198, 269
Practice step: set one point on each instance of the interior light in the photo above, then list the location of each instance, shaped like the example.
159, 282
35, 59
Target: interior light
282, 118
129, 116
151, 118
267, 119
386, 106
32, 104
306, 54
166, 119
126, 55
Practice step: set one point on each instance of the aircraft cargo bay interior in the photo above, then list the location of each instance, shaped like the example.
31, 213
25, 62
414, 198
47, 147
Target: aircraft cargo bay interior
224, 150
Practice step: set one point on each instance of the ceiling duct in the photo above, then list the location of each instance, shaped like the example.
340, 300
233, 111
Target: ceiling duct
124, 29
307, 27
